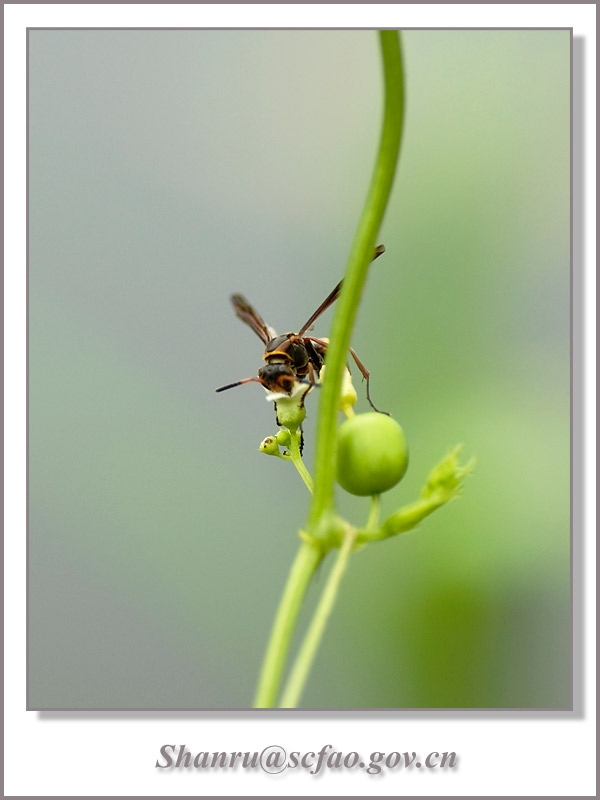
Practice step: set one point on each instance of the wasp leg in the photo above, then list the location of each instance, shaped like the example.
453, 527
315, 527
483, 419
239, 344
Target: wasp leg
316, 357
276, 417
311, 373
366, 375
364, 371
322, 344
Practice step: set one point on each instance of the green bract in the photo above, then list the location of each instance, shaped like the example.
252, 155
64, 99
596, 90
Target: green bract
372, 455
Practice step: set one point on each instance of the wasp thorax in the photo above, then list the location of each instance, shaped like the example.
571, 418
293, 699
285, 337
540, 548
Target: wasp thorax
288, 349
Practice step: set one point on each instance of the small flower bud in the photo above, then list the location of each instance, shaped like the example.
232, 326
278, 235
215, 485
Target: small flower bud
348, 396
446, 479
269, 446
283, 437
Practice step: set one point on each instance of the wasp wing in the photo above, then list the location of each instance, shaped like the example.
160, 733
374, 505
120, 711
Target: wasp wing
332, 297
252, 318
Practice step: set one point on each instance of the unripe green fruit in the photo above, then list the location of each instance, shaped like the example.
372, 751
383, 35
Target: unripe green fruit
372, 455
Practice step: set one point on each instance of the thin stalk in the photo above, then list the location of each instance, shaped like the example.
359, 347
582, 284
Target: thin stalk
374, 511
356, 273
297, 460
306, 656
303, 568
309, 554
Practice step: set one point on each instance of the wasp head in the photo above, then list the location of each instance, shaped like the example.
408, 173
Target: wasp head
279, 378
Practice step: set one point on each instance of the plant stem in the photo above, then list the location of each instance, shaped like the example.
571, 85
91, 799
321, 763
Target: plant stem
308, 650
360, 256
374, 511
320, 514
297, 459
303, 568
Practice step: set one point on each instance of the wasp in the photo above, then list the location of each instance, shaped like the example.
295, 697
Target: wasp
291, 357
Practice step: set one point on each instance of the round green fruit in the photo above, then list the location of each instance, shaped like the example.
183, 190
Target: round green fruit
372, 455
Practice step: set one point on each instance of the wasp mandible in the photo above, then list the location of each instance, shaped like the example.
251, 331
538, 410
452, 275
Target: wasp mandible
291, 357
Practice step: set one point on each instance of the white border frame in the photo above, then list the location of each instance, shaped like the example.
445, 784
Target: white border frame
110, 754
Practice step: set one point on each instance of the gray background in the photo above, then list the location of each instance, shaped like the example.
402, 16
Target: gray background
170, 168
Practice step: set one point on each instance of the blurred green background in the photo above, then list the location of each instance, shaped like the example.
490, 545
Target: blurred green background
171, 168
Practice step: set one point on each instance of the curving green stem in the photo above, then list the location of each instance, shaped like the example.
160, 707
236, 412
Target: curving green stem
321, 509
356, 273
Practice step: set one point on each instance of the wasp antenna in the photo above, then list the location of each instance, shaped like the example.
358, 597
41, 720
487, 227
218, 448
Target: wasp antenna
238, 383
310, 383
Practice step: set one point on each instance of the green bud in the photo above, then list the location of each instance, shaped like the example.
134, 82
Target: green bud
269, 446
446, 479
283, 437
445, 482
372, 454
348, 396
